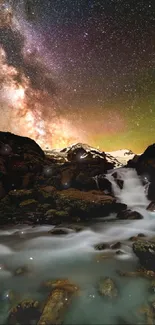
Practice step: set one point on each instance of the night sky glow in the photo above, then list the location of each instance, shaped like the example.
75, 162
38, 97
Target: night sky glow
81, 70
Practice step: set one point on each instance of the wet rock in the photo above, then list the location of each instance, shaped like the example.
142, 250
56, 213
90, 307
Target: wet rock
116, 245
148, 311
57, 215
141, 235
21, 271
145, 251
129, 215
26, 312
57, 303
73, 227
58, 231
107, 288
60, 284
151, 207
101, 246
134, 238
119, 252
118, 181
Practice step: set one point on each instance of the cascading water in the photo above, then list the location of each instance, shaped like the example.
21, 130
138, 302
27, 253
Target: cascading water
133, 192
73, 256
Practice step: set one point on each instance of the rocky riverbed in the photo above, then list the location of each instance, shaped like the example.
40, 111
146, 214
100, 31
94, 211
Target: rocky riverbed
77, 236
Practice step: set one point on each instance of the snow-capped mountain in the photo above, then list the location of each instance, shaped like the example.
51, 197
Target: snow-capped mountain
122, 155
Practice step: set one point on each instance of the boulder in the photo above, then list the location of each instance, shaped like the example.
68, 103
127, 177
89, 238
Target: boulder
86, 205
151, 207
145, 251
129, 215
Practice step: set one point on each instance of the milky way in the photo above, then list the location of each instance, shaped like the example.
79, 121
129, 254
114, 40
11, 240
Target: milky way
78, 71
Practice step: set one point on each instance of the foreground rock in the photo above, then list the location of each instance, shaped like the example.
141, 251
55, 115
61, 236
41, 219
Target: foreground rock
48, 206
145, 251
21, 159
107, 288
92, 204
57, 302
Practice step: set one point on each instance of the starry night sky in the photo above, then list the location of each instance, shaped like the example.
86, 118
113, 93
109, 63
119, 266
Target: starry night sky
88, 70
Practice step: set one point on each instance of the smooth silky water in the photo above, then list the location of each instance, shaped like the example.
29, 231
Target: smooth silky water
73, 256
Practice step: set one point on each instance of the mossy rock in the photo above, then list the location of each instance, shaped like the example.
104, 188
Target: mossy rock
145, 251
28, 204
59, 216
45, 197
17, 196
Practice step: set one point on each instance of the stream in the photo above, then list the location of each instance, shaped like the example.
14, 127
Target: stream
73, 256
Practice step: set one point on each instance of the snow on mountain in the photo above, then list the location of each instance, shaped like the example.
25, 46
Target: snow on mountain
122, 155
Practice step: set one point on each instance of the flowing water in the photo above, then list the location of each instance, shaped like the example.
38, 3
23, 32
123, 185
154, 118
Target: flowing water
73, 256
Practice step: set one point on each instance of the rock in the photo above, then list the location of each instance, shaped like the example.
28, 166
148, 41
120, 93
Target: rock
29, 204
134, 238
73, 227
20, 157
60, 284
58, 301
151, 191
119, 252
26, 312
141, 235
107, 288
18, 196
56, 215
145, 163
118, 181
116, 245
101, 246
145, 251
151, 207
21, 271
58, 231
129, 215
89, 204
103, 184
142, 272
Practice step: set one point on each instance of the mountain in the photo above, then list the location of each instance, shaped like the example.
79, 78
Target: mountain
82, 152
122, 155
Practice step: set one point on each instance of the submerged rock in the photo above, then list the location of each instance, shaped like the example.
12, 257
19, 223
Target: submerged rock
145, 251
26, 312
21, 271
58, 301
107, 288
142, 272
149, 313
